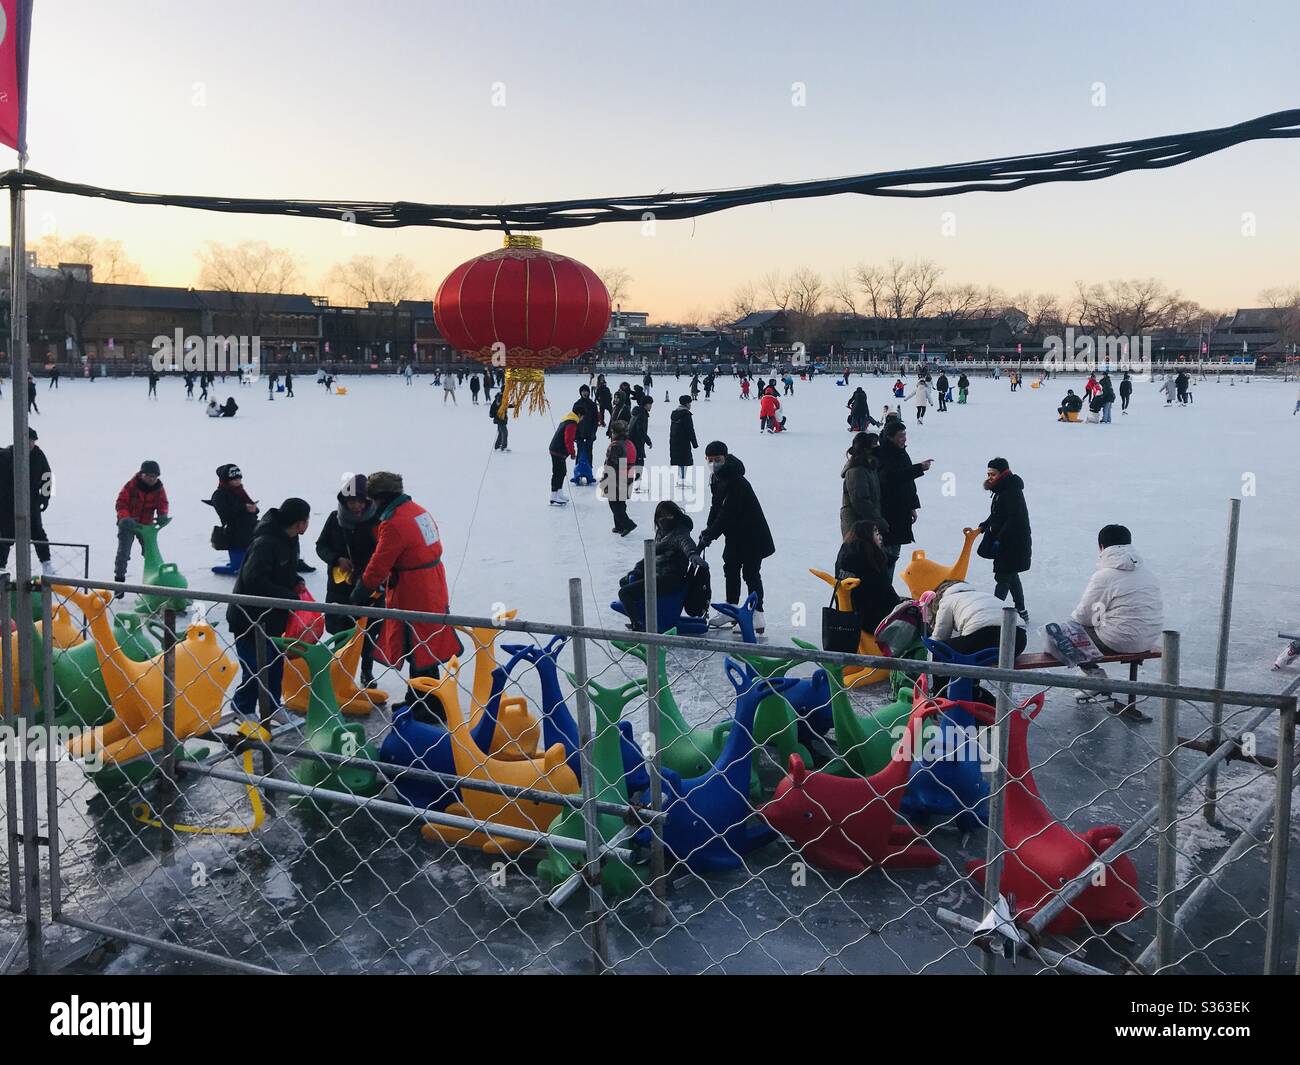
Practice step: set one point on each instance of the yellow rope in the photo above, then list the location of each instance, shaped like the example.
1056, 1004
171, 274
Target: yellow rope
250, 729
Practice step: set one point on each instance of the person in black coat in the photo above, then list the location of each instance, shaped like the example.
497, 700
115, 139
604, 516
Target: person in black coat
735, 513
899, 501
345, 544
604, 400
1125, 392
1007, 540
270, 569
638, 430
40, 482
681, 437
1071, 404
673, 550
860, 412
862, 556
588, 417
236, 510
941, 386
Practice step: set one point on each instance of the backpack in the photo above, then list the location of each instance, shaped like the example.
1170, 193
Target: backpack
901, 629
698, 590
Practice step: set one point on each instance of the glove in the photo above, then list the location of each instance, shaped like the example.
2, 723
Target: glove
128, 523
704, 542
164, 519
361, 594
696, 559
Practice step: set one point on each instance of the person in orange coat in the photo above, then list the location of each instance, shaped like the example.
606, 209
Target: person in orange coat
767, 408
407, 562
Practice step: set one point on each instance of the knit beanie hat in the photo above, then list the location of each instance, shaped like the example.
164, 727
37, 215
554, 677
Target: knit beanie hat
229, 471
354, 487
149, 466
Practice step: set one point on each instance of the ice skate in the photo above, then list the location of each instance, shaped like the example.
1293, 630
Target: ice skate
760, 623
1289, 654
558, 499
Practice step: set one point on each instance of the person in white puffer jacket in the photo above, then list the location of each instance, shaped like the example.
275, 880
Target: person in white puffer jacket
966, 618
1121, 608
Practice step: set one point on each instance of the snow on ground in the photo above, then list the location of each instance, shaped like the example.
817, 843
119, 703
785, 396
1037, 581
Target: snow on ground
1167, 473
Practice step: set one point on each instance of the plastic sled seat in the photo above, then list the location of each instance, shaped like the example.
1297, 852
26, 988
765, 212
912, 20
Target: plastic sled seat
855, 676
850, 824
1042, 853
670, 615
742, 615
1070, 416
954, 785
549, 772
325, 730
709, 826
925, 575
351, 698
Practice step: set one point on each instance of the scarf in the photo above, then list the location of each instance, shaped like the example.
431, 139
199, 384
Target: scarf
350, 521
235, 490
991, 482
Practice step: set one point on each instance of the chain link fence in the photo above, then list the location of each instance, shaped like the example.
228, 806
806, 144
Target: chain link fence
559, 798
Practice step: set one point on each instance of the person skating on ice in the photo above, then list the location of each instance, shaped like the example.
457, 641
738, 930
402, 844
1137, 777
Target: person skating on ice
500, 414
921, 394
563, 446
736, 516
616, 476
1125, 393
681, 438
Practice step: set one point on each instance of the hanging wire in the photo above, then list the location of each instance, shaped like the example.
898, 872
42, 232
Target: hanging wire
1005, 174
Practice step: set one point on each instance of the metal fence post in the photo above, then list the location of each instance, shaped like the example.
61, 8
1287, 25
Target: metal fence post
1167, 839
1221, 660
1281, 842
169, 788
51, 762
11, 754
658, 877
265, 708
592, 867
998, 785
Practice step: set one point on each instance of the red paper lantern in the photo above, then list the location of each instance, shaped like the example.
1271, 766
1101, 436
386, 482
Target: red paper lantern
522, 308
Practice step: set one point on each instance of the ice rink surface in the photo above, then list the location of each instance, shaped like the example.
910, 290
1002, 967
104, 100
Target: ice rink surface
1166, 472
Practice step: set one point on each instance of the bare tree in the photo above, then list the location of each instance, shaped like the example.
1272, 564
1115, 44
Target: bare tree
776, 290
1284, 302
82, 262
618, 283
1125, 308
363, 281
844, 292
807, 291
252, 274
871, 281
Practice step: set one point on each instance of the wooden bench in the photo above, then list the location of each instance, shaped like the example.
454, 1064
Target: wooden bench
1043, 660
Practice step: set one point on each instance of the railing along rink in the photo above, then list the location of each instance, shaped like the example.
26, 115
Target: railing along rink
337, 837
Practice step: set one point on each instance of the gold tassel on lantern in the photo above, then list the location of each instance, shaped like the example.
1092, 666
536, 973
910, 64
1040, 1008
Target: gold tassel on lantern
524, 388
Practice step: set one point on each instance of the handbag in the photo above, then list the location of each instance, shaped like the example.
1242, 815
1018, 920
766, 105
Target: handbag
841, 629
220, 538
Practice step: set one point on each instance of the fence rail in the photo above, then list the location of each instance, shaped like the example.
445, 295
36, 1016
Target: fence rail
714, 805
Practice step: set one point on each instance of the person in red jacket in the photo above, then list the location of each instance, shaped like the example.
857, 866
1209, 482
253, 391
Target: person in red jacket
562, 447
142, 501
767, 408
407, 562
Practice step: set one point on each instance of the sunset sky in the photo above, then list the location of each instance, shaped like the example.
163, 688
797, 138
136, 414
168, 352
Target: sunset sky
394, 100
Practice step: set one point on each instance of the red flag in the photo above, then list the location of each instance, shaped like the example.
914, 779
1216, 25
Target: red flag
15, 36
